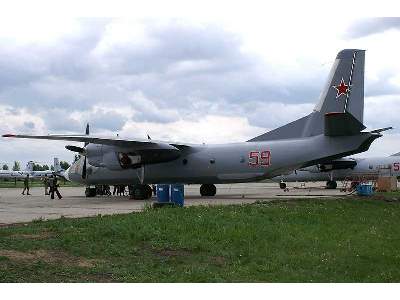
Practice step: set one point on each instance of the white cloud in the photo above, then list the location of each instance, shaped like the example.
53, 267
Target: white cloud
211, 130
181, 78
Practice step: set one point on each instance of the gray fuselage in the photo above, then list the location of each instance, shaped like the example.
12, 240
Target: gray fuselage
227, 163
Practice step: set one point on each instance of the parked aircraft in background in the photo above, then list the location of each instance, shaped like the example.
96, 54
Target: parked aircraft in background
16, 174
332, 130
354, 169
33, 174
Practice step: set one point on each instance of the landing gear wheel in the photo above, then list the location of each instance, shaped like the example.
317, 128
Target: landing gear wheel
331, 185
282, 185
90, 192
148, 191
141, 192
208, 190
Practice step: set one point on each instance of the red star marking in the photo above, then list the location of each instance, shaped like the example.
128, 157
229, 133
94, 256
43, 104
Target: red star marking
342, 88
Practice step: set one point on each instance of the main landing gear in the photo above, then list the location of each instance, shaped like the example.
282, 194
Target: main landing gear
208, 190
138, 191
331, 185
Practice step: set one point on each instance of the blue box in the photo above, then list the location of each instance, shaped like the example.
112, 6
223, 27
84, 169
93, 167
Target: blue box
163, 192
178, 194
364, 189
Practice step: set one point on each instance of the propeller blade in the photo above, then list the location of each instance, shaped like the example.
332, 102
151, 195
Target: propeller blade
80, 150
84, 169
87, 131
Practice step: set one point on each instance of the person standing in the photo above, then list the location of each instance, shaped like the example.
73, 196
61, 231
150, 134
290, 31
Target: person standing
46, 185
55, 188
51, 185
26, 185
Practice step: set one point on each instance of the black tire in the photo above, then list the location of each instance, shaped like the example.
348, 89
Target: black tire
148, 191
208, 190
138, 192
331, 185
90, 192
141, 192
282, 185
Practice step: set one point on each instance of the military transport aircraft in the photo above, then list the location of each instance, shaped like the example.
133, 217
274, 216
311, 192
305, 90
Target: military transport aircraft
353, 169
332, 130
32, 174
10, 174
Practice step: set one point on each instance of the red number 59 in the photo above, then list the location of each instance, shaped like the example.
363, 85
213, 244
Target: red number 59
257, 158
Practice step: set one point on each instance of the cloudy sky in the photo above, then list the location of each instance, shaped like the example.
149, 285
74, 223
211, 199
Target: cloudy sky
190, 79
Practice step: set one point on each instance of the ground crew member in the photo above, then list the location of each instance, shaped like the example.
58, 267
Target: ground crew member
55, 188
26, 185
51, 185
46, 184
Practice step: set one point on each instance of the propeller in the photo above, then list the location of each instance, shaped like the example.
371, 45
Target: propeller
81, 151
84, 168
77, 149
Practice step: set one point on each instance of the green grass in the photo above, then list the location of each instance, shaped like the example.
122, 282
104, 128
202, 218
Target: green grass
350, 240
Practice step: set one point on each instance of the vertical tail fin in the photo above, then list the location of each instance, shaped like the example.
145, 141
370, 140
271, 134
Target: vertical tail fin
29, 166
57, 166
343, 92
344, 89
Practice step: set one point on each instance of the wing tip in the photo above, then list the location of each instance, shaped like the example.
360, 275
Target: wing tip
8, 135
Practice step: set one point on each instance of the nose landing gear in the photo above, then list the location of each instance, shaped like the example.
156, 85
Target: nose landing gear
208, 190
141, 192
331, 185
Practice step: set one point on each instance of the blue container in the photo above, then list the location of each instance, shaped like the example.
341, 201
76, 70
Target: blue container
163, 192
364, 189
177, 194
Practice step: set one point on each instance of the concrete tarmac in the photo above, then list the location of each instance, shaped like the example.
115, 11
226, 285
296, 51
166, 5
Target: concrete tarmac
17, 208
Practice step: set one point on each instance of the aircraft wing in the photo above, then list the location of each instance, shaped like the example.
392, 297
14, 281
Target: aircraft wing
111, 141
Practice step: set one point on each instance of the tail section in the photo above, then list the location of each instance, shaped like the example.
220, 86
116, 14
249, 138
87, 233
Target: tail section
343, 93
57, 166
29, 166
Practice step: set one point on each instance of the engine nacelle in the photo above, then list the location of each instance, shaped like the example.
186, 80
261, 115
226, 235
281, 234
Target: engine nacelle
120, 160
114, 158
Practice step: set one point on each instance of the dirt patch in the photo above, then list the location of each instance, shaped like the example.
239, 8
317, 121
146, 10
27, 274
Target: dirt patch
100, 277
218, 260
47, 256
172, 252
38, 236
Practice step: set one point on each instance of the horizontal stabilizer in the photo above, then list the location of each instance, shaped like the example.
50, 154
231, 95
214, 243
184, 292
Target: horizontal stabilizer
381, 129
342, 124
